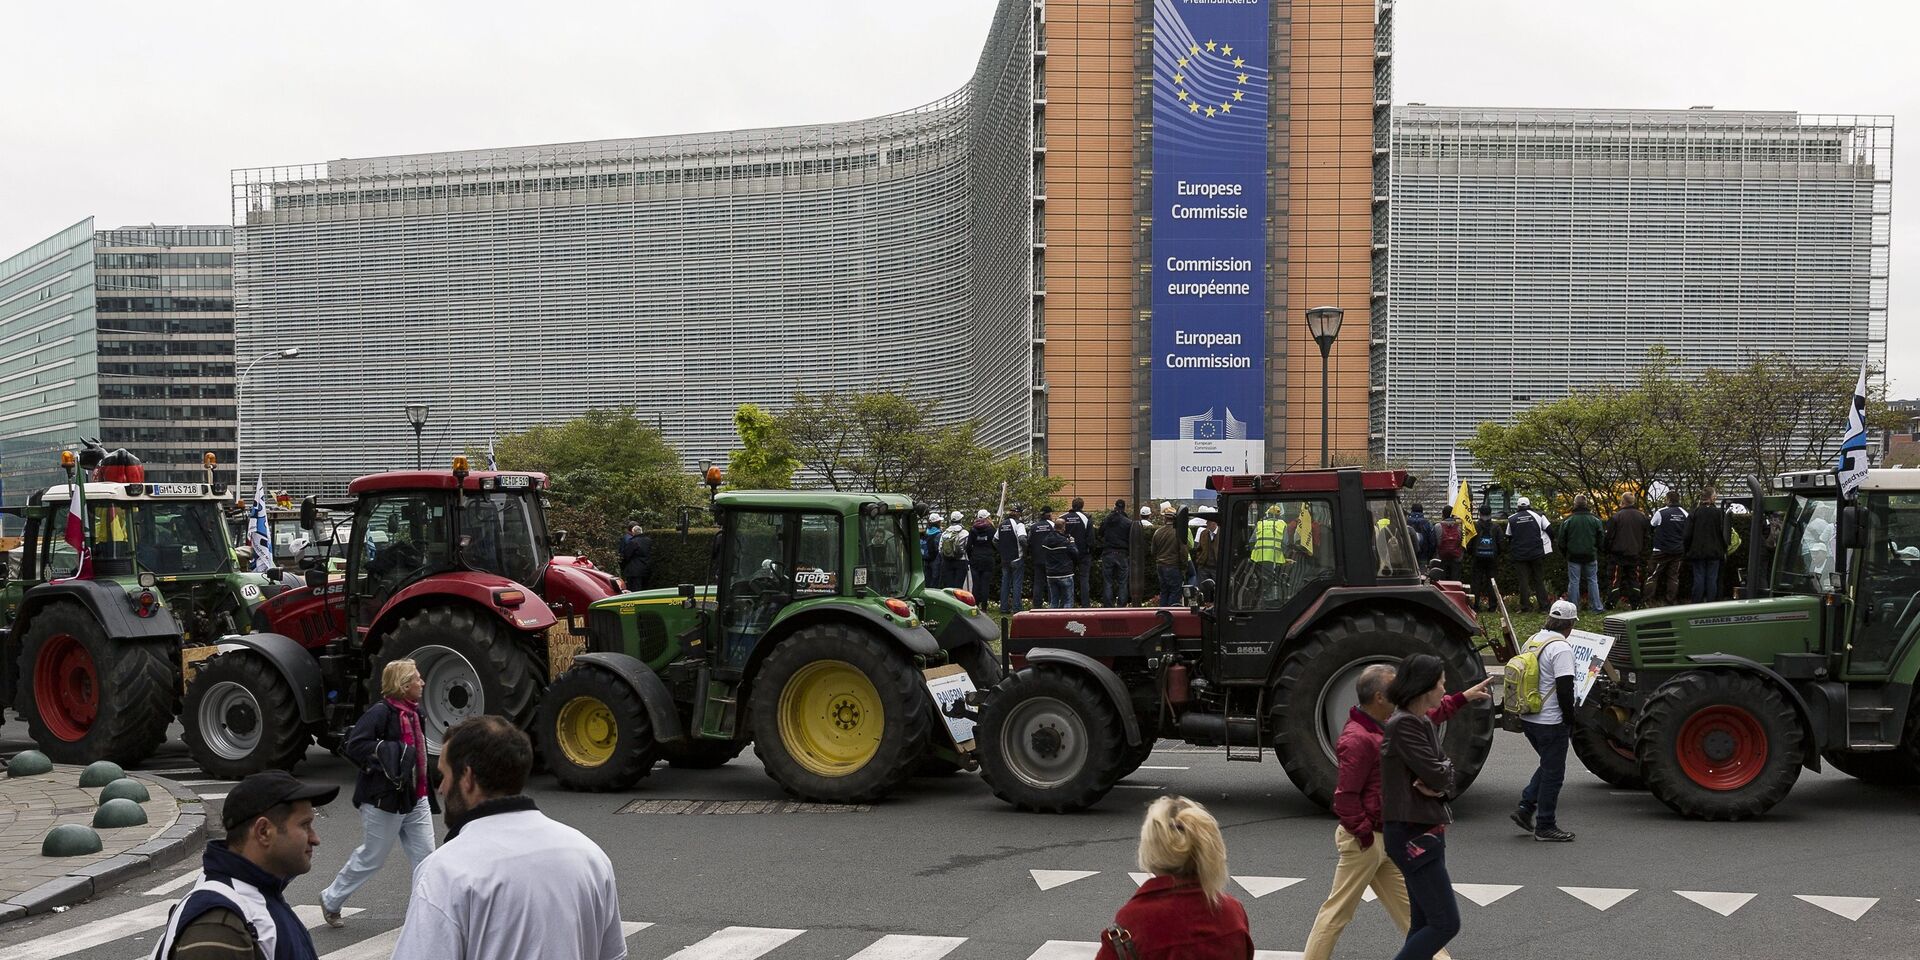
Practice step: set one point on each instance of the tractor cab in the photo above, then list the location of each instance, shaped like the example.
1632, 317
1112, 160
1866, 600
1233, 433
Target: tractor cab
1877, 590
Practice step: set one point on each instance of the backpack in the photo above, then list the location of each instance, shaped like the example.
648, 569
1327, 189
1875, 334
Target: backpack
953, 544
1485, 546
1449, 541
1520, 685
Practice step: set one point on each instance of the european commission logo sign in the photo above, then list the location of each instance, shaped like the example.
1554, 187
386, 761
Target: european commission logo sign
1210, 80
1203, 426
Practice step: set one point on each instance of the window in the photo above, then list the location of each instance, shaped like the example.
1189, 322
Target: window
817, 557
1891, 578
883, 555
406, 538
1392, 541
1278, 547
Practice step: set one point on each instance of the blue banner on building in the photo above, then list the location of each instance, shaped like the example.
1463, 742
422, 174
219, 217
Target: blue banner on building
1209, 242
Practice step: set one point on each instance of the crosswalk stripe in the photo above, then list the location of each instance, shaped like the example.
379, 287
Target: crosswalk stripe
375, 947
93, 934
213, 796
309, 914
899, 946
203, 783
737, 943
1066, 950
630, 927
1048, 879
174, 884
1278, 955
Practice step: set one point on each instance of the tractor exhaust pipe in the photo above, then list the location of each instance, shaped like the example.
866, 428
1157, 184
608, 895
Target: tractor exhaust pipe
1210, 730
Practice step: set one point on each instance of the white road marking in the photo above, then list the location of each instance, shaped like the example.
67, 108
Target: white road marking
93, 934
1162, 768
630, 927
1066, 950
1368, 895
376, 947
1140, 786
1484, 894
1140, 878
1723, 904
1278, 955
1048, 879
1853, 908
183, 771
309, 914
899, 946
1261, 886
1599, 898
737, 943
203, 783
213, 796
176, 883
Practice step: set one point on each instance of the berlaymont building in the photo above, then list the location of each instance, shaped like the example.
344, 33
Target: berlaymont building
1103, 246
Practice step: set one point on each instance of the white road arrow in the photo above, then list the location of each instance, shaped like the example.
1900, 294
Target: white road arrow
1140, 878
1599, 898
1853, 908
1369, 896
1723, 904
1484, 894
1048, 879
1261, 886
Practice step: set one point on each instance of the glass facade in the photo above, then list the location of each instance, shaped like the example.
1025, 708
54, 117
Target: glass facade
48, 378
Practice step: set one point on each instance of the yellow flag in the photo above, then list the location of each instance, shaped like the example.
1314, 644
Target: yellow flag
1463, 510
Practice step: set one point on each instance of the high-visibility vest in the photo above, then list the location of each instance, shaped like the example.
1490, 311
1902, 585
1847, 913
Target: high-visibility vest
1269, 540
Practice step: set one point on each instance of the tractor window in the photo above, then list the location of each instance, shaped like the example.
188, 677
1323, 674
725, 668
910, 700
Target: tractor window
406, 539
816, 570
57, 559
883, 554
755, 581
498, 534
1392, 541
1890, 580
175, 538
1806, 548
112, 530
1278, 548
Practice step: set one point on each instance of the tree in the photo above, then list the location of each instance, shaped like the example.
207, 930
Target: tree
606, 465
764, 460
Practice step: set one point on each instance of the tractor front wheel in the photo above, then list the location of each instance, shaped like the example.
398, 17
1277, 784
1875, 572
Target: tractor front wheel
839, 715
1611, 760
1719, 745
1049, 741
240, 717
1311, 698
594, 731
470, 664
92, 697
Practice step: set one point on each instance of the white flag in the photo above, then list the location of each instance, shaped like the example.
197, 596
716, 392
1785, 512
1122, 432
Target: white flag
1852, 465
1453, 472
257, 535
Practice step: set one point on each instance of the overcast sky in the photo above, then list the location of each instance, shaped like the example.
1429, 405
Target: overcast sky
135, 113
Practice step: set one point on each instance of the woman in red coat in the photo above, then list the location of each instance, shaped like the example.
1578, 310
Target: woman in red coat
1183, 912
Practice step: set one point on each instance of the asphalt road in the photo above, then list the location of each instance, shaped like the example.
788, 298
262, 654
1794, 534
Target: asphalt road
947, 860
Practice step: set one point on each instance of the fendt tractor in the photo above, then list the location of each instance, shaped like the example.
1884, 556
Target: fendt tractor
92, 662
453, 569
1316, 580
813, 646
1721, 704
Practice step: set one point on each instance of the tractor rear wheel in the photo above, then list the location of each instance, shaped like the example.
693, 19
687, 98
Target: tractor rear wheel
240, 717
839, 715
693, 754
594, 731
91, 697
1050, 741
1611, 760
471, 664
1719, 745
1310, 699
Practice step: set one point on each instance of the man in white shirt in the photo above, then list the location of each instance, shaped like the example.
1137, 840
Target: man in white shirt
509, 883
1550, 731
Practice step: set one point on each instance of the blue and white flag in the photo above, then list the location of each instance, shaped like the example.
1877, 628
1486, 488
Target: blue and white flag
492, 463
1852, 466
258, 536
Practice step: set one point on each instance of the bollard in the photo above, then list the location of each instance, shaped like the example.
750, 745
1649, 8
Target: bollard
29, 763
70, 840
100, 773
125, 788
119, 813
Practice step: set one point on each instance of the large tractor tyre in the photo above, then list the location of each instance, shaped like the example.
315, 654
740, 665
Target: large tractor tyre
1050, 741
240, 718
470, 665
87, 697
1719, 745
983, 668
1133, 757
1613, 761
701, 754
595, 733
839, 715
1313, 693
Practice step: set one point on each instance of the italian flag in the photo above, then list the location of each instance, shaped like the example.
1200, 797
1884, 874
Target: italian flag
77, 529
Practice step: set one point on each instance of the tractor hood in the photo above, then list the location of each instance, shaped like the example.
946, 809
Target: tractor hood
1117, 626
1756, 629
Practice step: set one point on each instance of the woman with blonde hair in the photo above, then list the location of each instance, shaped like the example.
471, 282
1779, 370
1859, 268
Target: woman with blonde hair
389, 746
1184, 910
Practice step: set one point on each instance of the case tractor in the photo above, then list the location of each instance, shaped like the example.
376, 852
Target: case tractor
90, 658
1316, 580
812, 644
1716, 707
453, 569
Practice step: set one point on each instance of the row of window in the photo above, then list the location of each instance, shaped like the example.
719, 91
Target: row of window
167, 325
164, 304
165, 413
156, 261
166, 391
166, 237
164, 281
166, 348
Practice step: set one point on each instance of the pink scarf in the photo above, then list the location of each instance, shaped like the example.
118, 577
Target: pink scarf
410, 735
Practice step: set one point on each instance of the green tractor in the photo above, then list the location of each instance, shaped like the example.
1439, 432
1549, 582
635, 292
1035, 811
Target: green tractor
1717, 706
90, 646
815, 646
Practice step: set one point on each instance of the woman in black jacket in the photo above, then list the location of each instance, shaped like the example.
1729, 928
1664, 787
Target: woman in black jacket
389, 746
1416, 780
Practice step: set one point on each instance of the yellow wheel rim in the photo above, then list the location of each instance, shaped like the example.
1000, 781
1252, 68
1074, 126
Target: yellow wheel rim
587, 732
831, 720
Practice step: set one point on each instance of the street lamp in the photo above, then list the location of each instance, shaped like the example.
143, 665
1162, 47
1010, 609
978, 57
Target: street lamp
417, 415
1324, 324
239, 382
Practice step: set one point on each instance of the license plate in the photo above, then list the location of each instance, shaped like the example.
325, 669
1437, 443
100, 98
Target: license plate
175, 489
513, 482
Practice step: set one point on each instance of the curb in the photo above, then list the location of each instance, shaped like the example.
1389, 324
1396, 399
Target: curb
93, 879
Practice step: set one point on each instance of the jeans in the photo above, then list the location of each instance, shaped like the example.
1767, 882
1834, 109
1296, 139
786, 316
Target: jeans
1083, 579
1587, 572
378, 830
1171, 580
1113, 569
1010, 584
1360, 868
1060, 592
1435, 913
1542, 795
1706, 579
1626, 579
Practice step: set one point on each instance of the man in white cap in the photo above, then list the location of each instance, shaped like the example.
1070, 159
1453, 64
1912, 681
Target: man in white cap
953, 552
1550, 731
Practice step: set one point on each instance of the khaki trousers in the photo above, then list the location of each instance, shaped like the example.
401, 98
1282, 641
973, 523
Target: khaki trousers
1359, 869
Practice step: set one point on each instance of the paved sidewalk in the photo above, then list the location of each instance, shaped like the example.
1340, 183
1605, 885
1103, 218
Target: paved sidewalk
30, 806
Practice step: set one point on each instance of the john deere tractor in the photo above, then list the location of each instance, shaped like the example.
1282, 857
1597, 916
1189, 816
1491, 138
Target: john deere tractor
811, 646
1722, 704
89, 654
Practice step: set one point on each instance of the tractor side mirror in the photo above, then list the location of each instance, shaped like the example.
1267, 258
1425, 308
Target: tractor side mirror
309, 514
559, 538
1206, 590
316, 579
1853, 533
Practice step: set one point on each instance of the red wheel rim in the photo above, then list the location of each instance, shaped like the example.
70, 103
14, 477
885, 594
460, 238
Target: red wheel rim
1722, 748
66, 687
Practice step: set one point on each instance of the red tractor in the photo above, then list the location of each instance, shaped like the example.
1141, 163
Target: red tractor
1316, 580
451, 569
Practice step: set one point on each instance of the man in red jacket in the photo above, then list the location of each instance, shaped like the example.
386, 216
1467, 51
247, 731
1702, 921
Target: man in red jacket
1356, 801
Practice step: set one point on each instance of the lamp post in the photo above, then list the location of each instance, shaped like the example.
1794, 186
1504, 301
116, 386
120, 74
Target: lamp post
417, 415
239, 382
1324, 324
710, 475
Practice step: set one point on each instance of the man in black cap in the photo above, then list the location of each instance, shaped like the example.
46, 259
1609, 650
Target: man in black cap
237, 909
